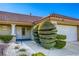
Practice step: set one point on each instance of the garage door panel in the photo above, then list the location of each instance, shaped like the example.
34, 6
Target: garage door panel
69, 31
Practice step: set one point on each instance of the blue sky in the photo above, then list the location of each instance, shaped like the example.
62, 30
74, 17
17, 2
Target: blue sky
42, 9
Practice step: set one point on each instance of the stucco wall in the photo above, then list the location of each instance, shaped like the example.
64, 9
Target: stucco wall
78, 33
19, 33
5, 30
68, 30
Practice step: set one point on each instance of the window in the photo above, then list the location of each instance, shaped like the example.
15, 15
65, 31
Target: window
23, 31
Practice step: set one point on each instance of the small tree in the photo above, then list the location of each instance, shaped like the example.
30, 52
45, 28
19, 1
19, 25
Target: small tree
47, 34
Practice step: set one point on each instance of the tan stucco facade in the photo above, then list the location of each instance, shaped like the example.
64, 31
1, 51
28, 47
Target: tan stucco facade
78, 33
7, 30
19, 32
14, 24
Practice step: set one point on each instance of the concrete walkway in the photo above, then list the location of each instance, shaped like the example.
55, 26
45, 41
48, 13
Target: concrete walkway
71, 49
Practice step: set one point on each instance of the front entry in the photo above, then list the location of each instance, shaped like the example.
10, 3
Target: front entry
22, 33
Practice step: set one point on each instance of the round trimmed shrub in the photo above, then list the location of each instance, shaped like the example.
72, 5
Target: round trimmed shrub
47, 34
60, 44
46, 25
61, 41
48, 45
47, 41
35, 34
61, 37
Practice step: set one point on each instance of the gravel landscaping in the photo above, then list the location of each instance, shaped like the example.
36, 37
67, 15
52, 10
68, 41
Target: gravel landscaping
18, 50
27, 48
71, 49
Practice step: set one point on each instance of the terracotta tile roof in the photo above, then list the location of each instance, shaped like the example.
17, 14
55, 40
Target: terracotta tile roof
8, 17
14, 17
60, 18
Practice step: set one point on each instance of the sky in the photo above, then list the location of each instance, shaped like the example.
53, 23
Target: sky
42, 9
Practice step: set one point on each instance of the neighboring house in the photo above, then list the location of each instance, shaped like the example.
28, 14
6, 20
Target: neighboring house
21, 25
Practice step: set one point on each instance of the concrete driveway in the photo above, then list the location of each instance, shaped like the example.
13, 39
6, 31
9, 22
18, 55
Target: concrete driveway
71, 49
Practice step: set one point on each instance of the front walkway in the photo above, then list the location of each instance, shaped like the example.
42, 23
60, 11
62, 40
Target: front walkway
71, 49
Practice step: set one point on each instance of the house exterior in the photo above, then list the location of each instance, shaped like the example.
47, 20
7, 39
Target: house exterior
20, 26
65, 25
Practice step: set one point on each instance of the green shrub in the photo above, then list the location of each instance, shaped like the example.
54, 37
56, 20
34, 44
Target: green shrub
22, 50
47, 34
60, 44
46, 26
38, 54
48, 45
6, 38
61, 41
47, 41
53, 36
22, 55
35, 34
61, 37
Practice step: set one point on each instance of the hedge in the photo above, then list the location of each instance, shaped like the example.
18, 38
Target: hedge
6, 38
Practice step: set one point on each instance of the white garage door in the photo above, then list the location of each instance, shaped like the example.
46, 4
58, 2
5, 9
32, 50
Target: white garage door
69, 31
